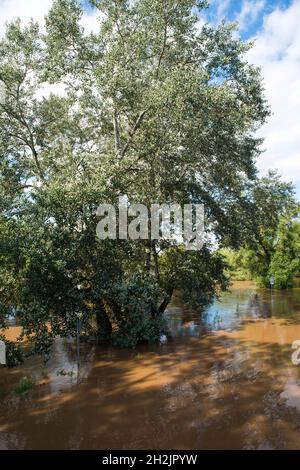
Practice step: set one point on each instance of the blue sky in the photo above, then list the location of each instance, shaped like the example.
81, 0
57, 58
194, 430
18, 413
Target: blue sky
274, 27
253, 12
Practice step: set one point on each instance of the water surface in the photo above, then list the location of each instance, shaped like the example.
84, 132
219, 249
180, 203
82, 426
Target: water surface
225, 381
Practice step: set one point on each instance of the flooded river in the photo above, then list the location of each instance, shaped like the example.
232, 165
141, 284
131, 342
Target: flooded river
224, 382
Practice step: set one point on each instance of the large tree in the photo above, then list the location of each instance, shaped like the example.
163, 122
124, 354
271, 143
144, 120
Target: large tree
153, 106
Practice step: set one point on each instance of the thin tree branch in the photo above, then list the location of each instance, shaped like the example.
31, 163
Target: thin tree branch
122, 153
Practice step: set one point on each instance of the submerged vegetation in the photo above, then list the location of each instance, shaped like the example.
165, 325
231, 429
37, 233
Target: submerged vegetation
152, 107
25, 385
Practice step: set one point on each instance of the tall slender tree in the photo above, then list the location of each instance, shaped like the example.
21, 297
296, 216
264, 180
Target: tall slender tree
154, 107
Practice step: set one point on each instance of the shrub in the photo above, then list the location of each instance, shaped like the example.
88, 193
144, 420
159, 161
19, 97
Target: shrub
137, 318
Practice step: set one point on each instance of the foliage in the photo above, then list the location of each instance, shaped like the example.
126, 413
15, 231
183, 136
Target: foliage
136, 317
199, 275
240, 263
63, 373
273, 249
285, 261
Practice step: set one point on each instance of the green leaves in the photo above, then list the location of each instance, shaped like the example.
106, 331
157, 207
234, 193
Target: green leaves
63, 37
136, 317
271, 246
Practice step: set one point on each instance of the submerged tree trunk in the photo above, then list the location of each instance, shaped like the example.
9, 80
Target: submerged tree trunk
104, 326
164, 304
170, 291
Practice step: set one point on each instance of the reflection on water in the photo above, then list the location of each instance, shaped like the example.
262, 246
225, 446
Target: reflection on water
243, 301
223, 381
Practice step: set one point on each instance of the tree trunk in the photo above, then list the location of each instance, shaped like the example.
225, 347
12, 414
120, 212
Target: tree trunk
155, 259
117, 134
167, 299
148, 255
104, 327
164, 305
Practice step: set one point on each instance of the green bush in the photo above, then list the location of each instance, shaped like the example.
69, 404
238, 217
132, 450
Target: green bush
137, 318
240, 263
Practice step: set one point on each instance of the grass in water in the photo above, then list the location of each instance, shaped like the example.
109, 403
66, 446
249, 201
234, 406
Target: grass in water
139, 356
64, 373
24, 386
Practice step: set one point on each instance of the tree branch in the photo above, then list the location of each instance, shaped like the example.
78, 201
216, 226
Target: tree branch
122, 153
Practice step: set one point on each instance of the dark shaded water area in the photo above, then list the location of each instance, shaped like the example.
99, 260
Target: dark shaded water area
223, 381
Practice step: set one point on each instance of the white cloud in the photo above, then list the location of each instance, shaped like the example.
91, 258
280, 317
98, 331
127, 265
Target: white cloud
277, 52
37, 9
221, 8
46, 89
91, 21
249, 13
25, 9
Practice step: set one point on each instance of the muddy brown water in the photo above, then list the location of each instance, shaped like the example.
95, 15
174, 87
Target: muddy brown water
224, 382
